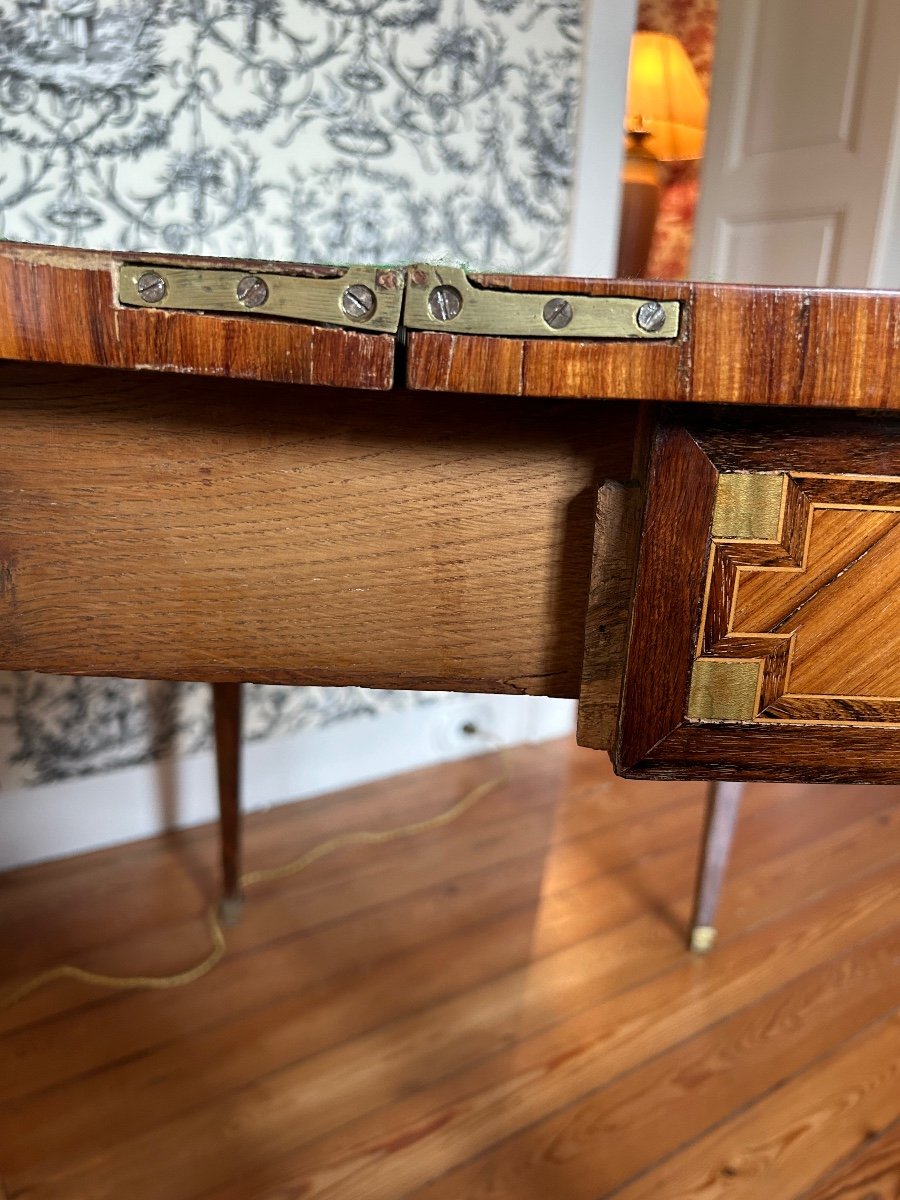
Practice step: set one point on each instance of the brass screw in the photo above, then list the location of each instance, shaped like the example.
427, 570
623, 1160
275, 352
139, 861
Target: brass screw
445, 302
388, 280
151, 287
651, 316
358, 302
252, 291
558, 313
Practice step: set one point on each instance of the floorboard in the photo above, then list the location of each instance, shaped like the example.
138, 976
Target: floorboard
871, 1172
502, 1010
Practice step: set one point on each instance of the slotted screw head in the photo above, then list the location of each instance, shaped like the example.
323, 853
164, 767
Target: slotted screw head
151, 287
445, 302
557, 313
252, 291
651, 316
358, 302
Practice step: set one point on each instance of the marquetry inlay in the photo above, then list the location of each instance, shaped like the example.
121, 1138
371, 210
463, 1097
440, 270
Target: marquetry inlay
801, 617
749, 505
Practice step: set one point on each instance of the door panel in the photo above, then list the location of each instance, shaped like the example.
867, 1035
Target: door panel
781, 250
804, 90
799, 148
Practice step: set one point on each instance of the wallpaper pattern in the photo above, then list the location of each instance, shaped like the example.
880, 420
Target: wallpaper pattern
309, 129
330, 130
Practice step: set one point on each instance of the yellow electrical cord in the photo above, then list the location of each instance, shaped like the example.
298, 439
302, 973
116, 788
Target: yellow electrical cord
358, 837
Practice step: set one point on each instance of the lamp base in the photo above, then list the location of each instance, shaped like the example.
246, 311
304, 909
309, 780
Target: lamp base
641, 186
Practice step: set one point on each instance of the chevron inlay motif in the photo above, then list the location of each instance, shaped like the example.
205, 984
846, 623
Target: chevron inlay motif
801, 618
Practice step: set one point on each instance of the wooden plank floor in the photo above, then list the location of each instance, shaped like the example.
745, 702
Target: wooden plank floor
500, 1010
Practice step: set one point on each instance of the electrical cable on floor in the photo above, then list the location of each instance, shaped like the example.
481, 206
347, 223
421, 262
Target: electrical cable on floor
358, 837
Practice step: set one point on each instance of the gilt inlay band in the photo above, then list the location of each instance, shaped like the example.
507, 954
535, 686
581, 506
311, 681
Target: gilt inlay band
749, 506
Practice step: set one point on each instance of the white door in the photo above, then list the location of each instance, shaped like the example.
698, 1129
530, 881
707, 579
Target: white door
799, 178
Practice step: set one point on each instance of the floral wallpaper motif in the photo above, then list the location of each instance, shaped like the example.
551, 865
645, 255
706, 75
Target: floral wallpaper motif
308, 129
693, 22
329, 130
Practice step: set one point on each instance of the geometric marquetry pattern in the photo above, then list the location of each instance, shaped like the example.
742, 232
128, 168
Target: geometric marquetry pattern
801, 614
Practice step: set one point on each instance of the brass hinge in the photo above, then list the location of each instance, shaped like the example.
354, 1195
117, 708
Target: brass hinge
380, 300
367, 298
445, 299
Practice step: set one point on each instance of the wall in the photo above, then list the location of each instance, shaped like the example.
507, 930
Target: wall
693, 22
596, 193
352, 130
308, 130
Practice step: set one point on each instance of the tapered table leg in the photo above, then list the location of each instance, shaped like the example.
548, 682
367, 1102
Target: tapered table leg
721, 819
227, 719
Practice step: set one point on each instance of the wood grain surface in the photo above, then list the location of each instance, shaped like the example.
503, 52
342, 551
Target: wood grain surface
868, 1172
839, 608
60, 306
789, 642
225, 531
803, 626
617, 533
502, 1008
537, 367
665, 614
738, 345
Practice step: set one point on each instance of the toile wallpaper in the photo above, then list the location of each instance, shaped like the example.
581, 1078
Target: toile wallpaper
330, 130
309, 129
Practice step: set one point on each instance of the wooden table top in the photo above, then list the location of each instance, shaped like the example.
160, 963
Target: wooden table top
735, 345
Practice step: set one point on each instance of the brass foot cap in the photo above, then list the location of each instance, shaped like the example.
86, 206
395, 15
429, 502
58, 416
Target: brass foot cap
230, 909
702, 938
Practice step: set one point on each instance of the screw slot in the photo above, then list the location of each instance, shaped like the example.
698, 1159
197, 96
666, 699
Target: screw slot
358, 302
151, 287
558, 313
445, 302
252, 291
651, 316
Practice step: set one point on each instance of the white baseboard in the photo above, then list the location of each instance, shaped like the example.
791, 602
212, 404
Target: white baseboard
55, 820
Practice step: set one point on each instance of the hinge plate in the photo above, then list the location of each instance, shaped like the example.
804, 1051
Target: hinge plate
444, 299
366, 298
379, 300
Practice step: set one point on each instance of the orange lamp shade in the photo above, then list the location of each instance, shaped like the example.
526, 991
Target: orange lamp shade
666, 101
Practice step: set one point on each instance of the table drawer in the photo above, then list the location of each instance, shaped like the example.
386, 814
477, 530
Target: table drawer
764, 632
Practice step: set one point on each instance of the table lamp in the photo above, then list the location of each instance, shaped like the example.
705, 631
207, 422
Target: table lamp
665, 121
